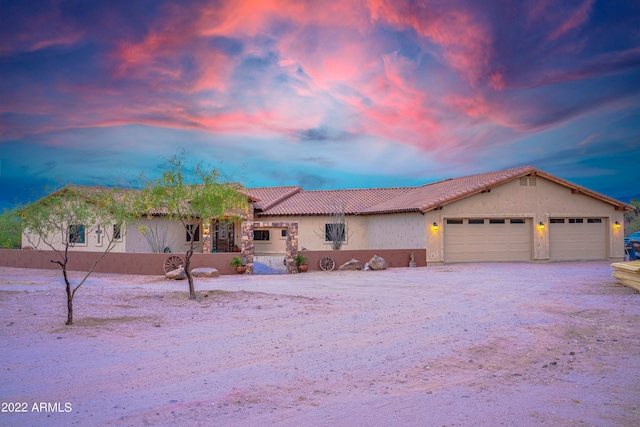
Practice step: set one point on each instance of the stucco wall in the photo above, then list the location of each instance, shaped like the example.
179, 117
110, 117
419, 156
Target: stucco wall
277, 244
176, 235
91, 240
541, 202
396, 231
116, 263
311, 231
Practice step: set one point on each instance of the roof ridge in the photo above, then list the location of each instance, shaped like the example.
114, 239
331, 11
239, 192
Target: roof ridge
365, 189
294, 190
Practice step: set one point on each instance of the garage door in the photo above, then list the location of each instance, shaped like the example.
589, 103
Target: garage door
489, 239
577, 239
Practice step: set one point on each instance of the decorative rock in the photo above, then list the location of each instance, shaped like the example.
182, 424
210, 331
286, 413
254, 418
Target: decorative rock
354, 264
205, 272
177, 274
377, 263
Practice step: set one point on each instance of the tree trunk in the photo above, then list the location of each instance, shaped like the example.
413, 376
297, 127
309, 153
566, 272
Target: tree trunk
69, 299
187, 262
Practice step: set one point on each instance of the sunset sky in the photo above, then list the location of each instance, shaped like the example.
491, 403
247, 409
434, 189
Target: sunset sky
322, 94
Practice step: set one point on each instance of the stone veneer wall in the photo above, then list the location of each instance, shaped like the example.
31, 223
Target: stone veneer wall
248, 246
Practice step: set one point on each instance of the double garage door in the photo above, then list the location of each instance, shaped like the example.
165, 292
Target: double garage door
489, 239
510, 239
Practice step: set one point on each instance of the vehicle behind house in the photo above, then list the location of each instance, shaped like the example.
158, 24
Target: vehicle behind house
631, 238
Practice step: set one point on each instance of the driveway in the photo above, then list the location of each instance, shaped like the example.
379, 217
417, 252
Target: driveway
457, 345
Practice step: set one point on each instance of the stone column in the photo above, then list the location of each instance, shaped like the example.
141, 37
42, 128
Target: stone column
248, 249
292, 247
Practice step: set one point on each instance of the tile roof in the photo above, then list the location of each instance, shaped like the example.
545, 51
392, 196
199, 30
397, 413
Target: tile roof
270, 196
403, 199
440, 193
293, 200
327, 202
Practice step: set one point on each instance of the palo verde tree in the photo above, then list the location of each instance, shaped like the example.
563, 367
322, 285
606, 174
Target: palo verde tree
191, 195
68, 218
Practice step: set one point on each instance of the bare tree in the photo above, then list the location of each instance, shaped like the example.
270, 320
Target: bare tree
156, 236
335, 231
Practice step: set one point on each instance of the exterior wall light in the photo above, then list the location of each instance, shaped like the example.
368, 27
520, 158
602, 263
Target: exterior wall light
541, 225
435, 225
617, 224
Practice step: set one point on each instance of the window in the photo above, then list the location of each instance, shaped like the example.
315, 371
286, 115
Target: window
476, 221
496, 221
576, 220
117, 232
556, 220
262, 235
283, 233
516, 221
454, 221
334, 232
76, 234
594, 221
193, 230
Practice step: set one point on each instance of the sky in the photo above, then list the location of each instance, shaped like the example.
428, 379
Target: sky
321, 94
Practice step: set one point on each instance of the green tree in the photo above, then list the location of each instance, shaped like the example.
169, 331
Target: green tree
64, 219
632, 219
10, 230
190, 197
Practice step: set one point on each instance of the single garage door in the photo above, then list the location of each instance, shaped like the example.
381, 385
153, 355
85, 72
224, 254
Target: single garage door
577, 239
489, 239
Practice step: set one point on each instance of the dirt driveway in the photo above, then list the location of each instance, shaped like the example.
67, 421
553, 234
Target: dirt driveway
456, 345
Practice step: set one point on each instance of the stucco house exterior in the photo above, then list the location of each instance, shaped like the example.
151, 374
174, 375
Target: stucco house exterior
152, 232
517, 214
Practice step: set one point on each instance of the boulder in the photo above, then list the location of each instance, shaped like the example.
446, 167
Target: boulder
177, 274
377, 263
354, 264
205, 272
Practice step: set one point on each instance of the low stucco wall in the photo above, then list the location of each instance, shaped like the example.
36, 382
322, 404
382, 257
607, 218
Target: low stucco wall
151, 264
394, 257
119, 263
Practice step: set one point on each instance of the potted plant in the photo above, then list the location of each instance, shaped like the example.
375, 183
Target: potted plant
238, 263
301, 262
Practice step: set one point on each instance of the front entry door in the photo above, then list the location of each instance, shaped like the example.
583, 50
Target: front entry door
223, 238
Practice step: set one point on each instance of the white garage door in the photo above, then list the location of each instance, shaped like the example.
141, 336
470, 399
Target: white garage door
489, 239
577, 239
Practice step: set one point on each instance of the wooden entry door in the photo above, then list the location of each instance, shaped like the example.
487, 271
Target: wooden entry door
222, 236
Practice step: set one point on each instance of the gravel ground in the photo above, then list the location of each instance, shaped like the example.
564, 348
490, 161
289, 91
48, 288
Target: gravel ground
456, 345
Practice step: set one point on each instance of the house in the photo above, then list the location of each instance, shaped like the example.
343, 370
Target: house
517, 214
152, 232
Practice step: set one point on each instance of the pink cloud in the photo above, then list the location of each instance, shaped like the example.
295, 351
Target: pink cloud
38, 31
575, 19
465, 40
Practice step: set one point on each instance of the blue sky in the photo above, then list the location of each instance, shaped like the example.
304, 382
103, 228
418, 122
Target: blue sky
332, 94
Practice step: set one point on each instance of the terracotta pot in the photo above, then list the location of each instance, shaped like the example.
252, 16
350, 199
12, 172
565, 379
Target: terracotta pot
241, 269
303, 268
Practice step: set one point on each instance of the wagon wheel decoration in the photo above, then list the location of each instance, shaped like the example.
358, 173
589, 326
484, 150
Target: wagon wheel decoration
327, 264
172, 263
